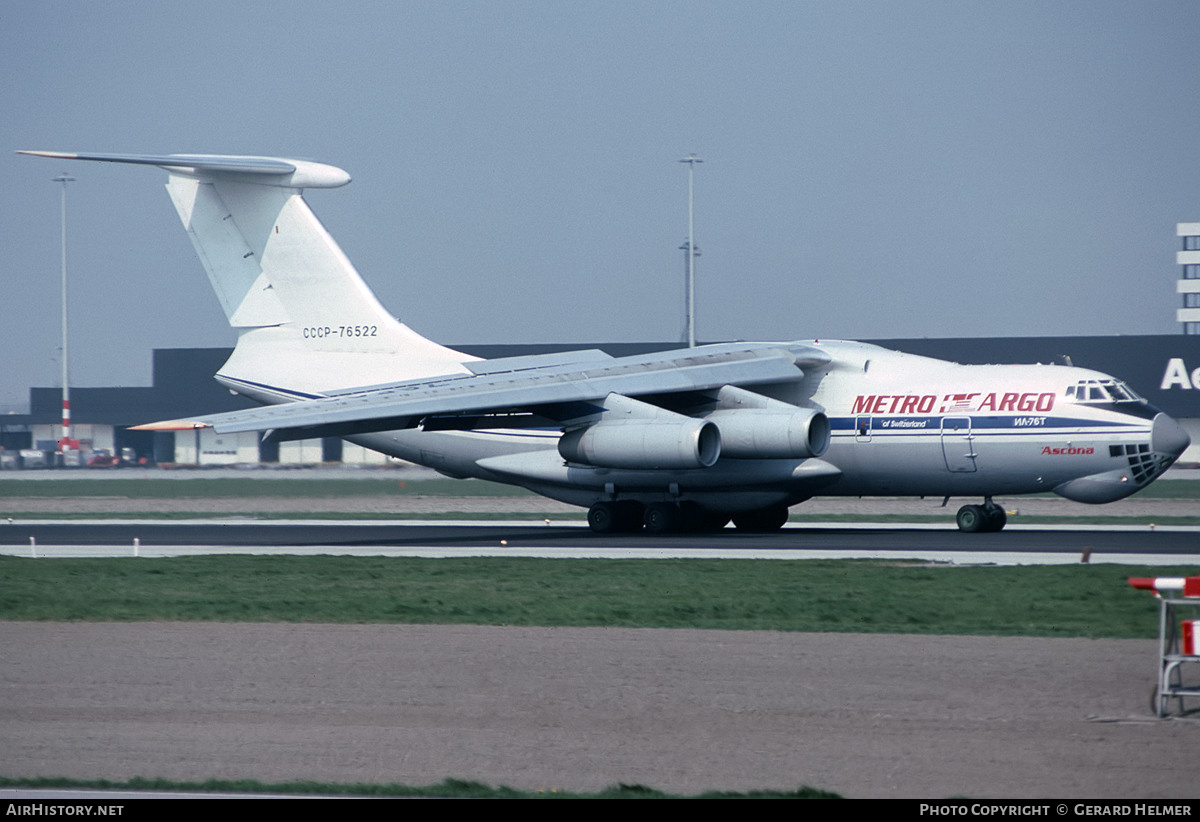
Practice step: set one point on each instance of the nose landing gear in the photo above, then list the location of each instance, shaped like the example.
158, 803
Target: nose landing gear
976, 519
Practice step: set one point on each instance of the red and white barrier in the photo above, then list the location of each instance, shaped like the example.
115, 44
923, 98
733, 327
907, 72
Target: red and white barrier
1187, 586
1190, 637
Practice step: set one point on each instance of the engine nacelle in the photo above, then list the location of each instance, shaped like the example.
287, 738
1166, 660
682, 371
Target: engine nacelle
758, 433
674, 442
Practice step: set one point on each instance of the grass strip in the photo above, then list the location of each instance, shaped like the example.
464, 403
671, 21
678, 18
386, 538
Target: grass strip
446, 789
864, 596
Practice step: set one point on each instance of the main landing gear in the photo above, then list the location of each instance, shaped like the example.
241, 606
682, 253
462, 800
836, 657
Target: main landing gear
615, 517
976, 519
628, 516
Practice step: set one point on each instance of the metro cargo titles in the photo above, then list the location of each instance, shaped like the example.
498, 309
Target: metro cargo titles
676, 440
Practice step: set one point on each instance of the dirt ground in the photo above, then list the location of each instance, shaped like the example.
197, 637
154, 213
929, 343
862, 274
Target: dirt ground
582, 708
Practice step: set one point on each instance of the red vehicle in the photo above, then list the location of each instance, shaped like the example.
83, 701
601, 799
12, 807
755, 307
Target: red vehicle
103, 459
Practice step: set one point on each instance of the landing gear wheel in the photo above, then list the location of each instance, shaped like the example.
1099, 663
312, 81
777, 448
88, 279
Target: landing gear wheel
979, 519
602, 518
621, 517
661, 517
971, 519
762, 521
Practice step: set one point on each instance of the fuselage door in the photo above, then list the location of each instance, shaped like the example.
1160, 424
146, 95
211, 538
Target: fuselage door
862, 429
958, 444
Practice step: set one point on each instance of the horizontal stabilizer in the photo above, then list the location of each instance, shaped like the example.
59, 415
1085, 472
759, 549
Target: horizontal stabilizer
268, 170
306, 321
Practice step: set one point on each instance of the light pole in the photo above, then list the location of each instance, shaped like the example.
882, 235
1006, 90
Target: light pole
688, 254
691, 161
65, 444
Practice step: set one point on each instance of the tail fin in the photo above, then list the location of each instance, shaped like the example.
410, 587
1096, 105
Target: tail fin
306, 321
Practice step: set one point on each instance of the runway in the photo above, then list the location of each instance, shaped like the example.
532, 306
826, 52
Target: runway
1025, 544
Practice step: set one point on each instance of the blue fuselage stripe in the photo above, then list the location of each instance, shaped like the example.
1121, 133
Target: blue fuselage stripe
1020, 424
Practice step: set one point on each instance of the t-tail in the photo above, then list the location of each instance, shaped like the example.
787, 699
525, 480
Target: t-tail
307, 324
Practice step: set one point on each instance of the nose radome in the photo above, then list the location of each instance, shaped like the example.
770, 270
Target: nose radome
1168, 436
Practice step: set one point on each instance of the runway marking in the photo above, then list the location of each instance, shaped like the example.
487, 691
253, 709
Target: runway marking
509, 549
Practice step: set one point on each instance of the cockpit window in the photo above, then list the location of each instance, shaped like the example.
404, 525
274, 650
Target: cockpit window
1123, 392
1101, 391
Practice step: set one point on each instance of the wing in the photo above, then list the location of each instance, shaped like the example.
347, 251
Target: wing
558, 387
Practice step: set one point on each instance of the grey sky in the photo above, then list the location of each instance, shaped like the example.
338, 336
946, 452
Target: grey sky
873, 169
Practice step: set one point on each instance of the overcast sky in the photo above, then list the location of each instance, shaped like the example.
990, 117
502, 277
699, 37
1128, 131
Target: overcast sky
872, 169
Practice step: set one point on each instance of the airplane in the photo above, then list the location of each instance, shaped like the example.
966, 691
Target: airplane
673, 441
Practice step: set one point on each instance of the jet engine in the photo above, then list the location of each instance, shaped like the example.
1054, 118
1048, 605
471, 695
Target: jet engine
756, 433
629, 433
682, 442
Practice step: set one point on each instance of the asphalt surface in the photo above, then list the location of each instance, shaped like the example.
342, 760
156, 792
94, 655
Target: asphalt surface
1181, 542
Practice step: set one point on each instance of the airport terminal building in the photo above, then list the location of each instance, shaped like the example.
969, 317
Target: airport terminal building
1165, 369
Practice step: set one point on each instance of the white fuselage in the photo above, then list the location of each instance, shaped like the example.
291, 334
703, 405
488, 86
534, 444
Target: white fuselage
901, 425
